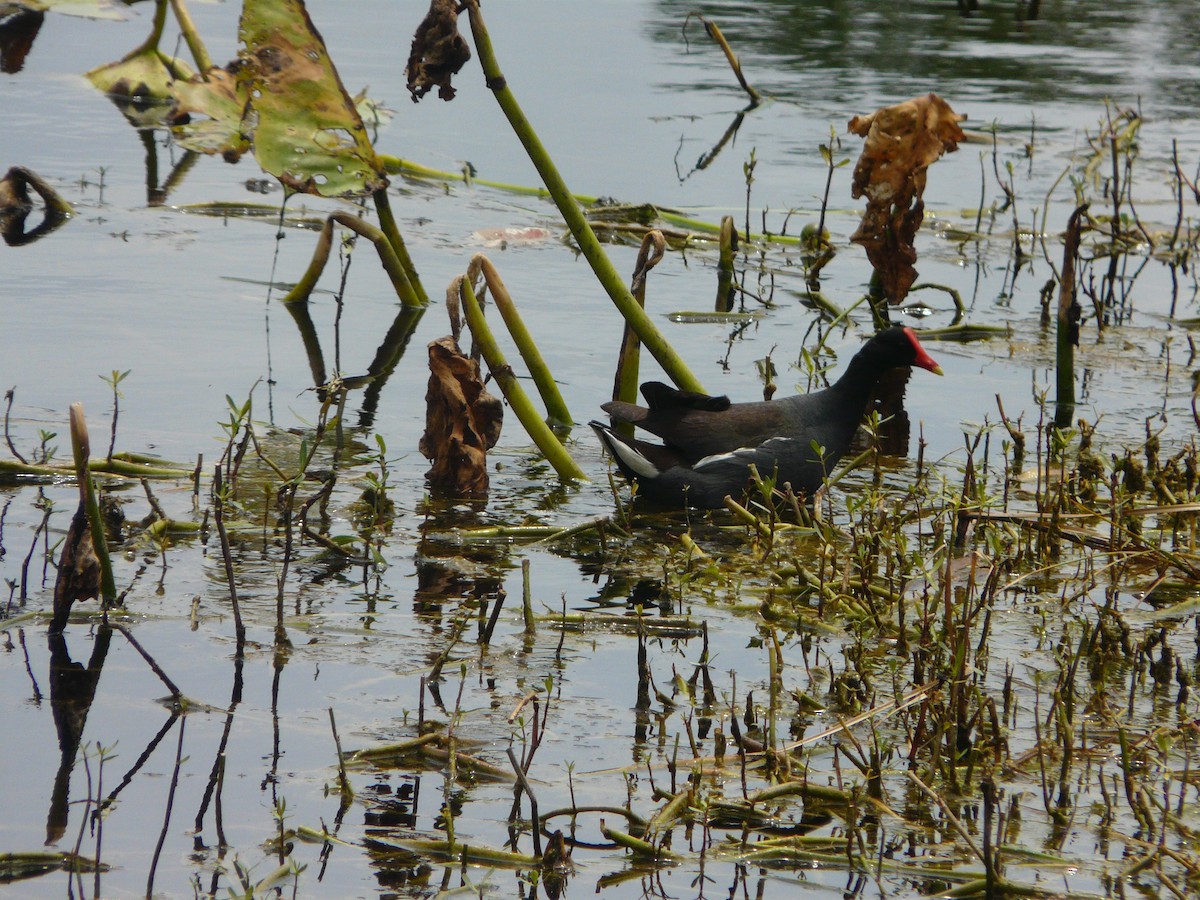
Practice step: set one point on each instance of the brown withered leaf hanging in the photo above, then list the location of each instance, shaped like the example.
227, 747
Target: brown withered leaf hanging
438, 52
462, 422
902, 141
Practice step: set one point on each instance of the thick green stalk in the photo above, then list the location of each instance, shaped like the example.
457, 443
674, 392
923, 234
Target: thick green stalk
557, 413
192, 36
585, 238
387, 222
392, 264
394, 165
304, 287
537, 429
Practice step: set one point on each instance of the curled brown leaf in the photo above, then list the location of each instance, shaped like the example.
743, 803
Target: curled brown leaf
901, 142
462, 422
438, 52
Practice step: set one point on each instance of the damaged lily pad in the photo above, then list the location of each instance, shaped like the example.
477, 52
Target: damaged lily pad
209, 112
146, 76
304, 125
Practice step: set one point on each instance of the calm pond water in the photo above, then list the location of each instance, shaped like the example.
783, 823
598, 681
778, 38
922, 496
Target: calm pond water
626, 106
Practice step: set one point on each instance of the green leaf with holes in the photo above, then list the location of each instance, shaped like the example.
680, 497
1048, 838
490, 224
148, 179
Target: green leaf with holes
305, 128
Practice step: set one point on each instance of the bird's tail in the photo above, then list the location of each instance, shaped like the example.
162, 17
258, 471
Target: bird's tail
627, 457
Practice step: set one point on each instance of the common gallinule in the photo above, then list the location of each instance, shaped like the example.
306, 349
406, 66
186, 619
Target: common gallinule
709, 443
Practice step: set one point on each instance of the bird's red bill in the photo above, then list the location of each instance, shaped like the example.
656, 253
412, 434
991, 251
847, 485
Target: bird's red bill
923, 360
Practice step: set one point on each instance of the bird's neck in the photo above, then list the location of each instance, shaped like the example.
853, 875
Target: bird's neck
859, 379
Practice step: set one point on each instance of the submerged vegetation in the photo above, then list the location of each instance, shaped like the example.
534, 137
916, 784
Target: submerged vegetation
963, 676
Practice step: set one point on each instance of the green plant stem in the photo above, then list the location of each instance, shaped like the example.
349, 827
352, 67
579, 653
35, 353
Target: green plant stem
557, 413
156, 30
11, 470
394, 165
392, 264
192, 36
535, 427
625, 382
586, 239
308, 281
387, 222
81, 449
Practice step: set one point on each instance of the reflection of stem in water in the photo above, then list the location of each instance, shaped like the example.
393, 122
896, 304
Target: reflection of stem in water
16, 207
389, 353
216, 776
706, 159
141, 761
162, 835
72, 690
157, 195
41, 532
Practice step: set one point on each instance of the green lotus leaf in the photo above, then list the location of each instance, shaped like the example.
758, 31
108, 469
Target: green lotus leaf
216, 106
146, 74
305, 128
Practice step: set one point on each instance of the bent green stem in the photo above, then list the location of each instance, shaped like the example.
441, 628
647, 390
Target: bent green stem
396, 269
535, 427
582, 232
557, 413
387, 222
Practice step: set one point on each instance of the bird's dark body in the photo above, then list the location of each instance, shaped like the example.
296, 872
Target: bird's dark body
710, 443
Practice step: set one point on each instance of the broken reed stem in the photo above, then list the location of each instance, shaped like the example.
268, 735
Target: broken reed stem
343, 781
239, 627
527, 788
728, 246
534, 425
572, 214
557, 413
456, 634
1068, 322
176, 694
527, 599
81, 448
625, 381
710, 27
490, 627
948, 813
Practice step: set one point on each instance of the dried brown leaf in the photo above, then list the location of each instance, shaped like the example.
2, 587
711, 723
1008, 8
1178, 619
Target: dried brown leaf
462, 422
438, 52
901, 142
